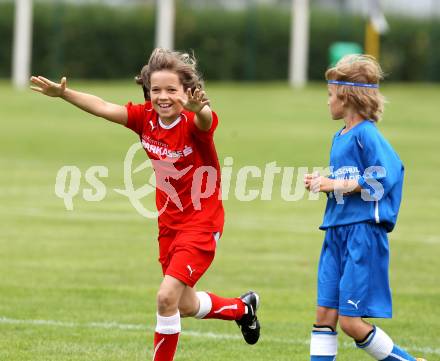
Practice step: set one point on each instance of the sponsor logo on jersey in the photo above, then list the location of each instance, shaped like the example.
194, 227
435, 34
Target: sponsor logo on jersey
162, 151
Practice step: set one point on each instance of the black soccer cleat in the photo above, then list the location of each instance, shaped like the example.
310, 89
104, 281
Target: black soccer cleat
249, 325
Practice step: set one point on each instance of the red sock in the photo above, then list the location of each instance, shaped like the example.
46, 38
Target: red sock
225, 308
165, 346
166, 337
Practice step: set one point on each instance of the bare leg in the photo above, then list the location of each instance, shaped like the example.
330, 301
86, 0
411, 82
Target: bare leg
355, 327
189, 303
169, 295
324, 338
168, 325
327, 317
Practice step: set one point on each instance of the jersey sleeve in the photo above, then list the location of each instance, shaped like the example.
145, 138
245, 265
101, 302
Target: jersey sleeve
383, 169
135, 117
204, 134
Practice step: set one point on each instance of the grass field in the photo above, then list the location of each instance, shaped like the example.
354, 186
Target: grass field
81, 285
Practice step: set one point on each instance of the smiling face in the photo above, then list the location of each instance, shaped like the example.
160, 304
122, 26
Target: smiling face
335, 104
165, 88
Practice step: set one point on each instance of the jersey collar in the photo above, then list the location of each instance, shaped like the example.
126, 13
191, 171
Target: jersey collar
169, 126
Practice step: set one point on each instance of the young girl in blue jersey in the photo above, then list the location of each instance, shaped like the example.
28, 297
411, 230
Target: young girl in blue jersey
364, 191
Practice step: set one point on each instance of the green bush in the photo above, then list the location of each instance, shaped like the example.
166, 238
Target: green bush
97, 41
91, 41
6, 26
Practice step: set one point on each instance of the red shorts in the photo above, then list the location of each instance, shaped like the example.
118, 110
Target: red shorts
186, 255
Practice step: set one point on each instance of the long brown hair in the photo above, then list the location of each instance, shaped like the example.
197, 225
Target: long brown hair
183, 64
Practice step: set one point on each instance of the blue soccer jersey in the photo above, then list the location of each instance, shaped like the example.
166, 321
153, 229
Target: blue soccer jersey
365, 155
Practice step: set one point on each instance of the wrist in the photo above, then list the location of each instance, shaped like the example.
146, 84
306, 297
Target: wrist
329, 185
199, 112
346, 186
63, 94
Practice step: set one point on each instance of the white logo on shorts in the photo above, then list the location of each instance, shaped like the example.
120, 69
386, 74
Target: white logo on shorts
355, 304
190, 270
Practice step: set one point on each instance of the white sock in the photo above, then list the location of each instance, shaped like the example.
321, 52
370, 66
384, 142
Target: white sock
379, 345
205, 304
168, 325
324, 343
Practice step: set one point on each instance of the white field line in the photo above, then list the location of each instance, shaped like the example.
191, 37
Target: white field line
138, 327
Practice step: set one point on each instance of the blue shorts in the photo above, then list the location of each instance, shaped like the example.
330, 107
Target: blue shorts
353, 271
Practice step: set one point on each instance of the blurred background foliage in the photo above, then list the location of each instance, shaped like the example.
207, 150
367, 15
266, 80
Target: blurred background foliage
95, 40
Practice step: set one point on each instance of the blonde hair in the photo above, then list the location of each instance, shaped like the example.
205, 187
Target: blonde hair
183, 64
356, 68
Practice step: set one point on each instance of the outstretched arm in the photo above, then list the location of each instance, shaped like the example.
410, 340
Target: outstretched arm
87, 102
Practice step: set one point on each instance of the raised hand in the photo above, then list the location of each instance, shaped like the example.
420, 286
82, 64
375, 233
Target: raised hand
310, 181
195, 102
48, 87
316, 183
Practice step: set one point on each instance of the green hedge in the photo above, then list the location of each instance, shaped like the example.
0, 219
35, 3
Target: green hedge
6, 26
96, 41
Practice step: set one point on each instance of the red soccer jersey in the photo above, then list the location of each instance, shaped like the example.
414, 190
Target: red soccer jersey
186, 167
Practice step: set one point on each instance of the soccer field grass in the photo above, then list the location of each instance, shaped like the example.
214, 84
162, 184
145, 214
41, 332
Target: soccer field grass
81, 284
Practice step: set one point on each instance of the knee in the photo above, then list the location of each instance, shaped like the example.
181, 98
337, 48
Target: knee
189, 305
187, 310
347, 326
166, 301
353, 327
327, 317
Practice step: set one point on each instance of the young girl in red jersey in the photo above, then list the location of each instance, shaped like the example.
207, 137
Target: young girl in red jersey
176, 127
